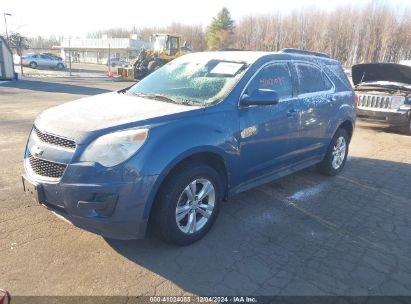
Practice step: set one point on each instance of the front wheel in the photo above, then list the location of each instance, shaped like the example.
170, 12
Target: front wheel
188, 204
33, 65
336, 156
406, 129
60, 66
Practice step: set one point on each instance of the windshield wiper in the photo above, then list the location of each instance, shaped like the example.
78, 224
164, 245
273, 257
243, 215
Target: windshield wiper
187, 102
156, 97
164, 98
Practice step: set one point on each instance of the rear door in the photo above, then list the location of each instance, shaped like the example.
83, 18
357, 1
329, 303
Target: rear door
315, 105
266, 130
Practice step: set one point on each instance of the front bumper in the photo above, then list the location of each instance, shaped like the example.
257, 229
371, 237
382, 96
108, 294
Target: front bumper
397, 117
114, 209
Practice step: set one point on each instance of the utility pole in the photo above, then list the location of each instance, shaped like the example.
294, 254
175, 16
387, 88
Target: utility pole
69, 59
21, 56
109, 58
5, 22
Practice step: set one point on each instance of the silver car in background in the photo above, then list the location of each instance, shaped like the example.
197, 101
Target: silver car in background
118, 62
42, 60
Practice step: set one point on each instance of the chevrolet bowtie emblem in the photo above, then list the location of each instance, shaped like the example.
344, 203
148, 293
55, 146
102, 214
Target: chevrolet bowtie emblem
37, 151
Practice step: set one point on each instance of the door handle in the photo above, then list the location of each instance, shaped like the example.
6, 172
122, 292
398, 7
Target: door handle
292, 113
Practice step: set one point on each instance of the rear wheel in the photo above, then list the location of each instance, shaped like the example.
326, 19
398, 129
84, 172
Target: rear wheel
188, 204
60, 66
33, 65
336, 156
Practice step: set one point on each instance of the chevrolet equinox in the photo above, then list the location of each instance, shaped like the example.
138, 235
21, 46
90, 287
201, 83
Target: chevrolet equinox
168, 150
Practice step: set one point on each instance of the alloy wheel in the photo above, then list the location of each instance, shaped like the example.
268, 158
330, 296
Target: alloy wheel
339, 151
195, 205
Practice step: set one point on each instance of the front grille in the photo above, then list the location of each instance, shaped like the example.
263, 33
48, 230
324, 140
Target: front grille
374, 101
55, 140
46, 168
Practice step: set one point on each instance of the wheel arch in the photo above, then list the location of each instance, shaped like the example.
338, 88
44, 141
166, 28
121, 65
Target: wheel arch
210, 157
348, 126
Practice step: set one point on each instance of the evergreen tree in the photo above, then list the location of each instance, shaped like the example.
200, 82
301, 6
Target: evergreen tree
221, 31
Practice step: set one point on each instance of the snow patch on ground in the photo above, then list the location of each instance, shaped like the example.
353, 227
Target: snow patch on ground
306, 193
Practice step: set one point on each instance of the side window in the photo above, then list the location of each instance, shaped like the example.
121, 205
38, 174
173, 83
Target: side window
173, 45
328, 84
276, 77
311, 79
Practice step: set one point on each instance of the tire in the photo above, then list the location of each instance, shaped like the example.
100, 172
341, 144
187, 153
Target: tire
60, 66
33, 65
406, 129
336, 156
181, 229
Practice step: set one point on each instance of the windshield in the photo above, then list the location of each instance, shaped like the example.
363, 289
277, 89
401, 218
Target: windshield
160, 43
192, 82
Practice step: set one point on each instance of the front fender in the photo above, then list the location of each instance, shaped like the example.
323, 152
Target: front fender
170, 144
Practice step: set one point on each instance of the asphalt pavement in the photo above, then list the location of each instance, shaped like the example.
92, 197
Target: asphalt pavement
305, 234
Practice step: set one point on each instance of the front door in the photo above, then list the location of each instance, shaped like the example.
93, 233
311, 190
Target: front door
265, 130
42, 60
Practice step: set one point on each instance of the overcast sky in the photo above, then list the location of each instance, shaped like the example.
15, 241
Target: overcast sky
76, 18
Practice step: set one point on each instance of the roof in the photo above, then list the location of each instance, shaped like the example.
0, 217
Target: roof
114, 43
241, 56
6, 44
250, 57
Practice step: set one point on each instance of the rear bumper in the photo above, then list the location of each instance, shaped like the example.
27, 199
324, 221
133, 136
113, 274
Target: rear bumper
398, 118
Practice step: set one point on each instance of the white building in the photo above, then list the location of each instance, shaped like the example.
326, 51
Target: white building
97, 50
6, 61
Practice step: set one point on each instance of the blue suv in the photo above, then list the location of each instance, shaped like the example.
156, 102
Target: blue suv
168, 150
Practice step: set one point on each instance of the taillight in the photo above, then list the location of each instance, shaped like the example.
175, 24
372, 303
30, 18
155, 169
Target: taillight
355, 100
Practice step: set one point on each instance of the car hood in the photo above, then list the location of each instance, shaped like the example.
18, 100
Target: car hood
371, 72
78, 119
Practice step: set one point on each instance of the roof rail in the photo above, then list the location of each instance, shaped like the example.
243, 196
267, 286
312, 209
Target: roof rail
304, 52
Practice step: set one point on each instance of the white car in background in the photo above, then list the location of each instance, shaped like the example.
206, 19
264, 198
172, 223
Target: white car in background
42, 60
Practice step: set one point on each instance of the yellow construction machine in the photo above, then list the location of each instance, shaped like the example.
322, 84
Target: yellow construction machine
166, 47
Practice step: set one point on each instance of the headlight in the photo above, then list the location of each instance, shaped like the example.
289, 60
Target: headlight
114, 148
397, 101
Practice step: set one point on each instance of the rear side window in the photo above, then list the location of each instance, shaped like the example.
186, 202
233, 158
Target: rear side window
276, 77
311, 79
338, 72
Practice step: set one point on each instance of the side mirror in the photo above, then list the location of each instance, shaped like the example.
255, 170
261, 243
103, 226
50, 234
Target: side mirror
260, 97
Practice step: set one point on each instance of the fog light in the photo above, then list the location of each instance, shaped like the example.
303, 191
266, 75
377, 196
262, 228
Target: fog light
102, 204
